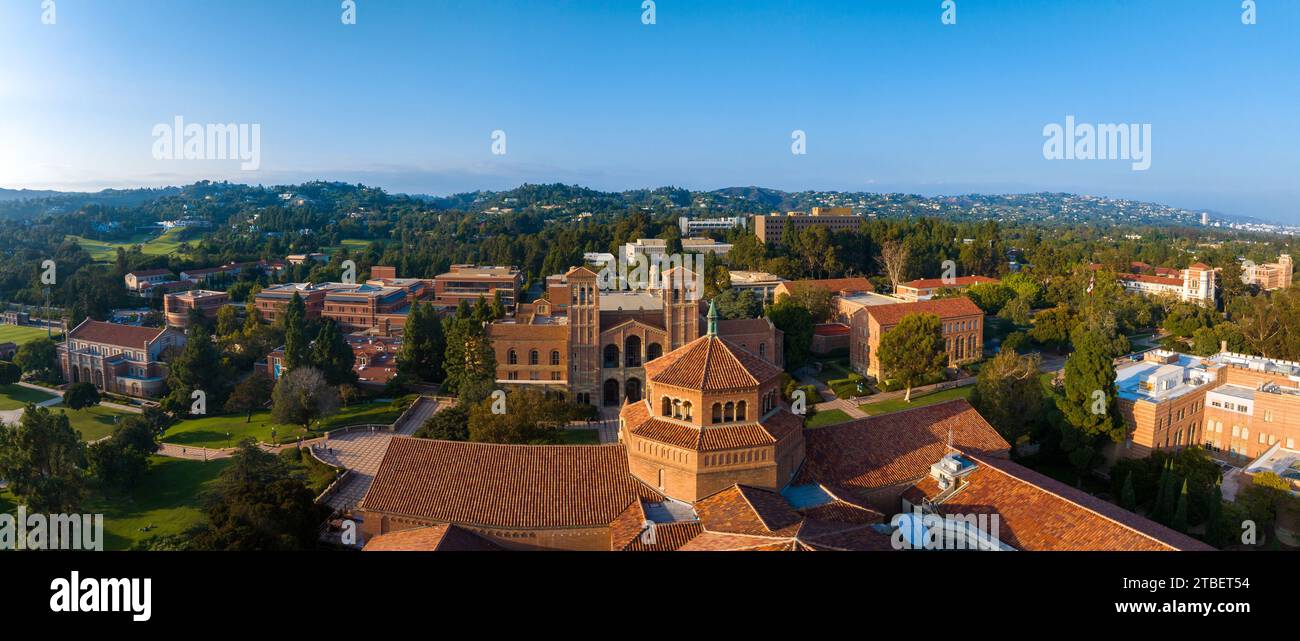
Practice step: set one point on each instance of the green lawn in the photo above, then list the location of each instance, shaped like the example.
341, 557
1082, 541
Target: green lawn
105, 251
895, 405
13, 397
827, 417
211, 431
166, 502
94, 422
581, 437
20, 334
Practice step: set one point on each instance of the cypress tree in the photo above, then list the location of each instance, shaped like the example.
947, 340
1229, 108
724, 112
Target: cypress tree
1214, 517
1127, 497
1158, 507
1180, 513
295, 333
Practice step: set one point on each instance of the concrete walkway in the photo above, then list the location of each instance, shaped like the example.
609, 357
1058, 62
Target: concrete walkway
361, 452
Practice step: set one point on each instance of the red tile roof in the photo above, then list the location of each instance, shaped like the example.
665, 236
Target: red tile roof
441, 538
666, 537
1040, 513
772, 429
741, 509
944, 308
880, 451
833, 285
1156, 280
710, 363
523, 486
115, 334
939, 283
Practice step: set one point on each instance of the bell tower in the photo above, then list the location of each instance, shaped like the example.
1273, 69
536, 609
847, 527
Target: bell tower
584, 335
680, 294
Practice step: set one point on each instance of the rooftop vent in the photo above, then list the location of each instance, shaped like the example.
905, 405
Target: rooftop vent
950, 469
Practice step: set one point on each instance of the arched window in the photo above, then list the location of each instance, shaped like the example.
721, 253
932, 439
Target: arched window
653, 351
555, 357
762, 350
740, 411
717, 412
611, 355
512, 358
729, 411
677, 408
632, 351
532, 357
686, 410
666, 406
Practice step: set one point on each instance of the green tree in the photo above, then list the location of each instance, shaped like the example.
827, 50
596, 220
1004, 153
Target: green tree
227, 320
1179, 520
423, 346
451, 424
302, 396
9, 373
296, 345
259, 503
796, 323
117, 464
250, 395
331, 354
1051, 326
44, 461
913, 350
198, 367
1215, 530
1008, 395
530, 417
1089, 404
1128, 498
37, 356
80, 395
738, 303
469, 362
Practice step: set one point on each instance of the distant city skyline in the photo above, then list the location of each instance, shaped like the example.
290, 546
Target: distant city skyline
888, 98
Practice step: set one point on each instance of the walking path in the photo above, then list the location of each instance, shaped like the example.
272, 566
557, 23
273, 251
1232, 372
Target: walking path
360, 453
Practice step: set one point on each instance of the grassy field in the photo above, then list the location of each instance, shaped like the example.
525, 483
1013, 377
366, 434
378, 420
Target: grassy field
94, 422
19, 334
212, 431
827, 417
105, 251
166, 502
13, 397
895, 405
581, 437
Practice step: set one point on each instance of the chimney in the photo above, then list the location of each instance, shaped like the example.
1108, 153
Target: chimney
1223, 347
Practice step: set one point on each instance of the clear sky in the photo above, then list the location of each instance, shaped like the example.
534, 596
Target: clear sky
890, 98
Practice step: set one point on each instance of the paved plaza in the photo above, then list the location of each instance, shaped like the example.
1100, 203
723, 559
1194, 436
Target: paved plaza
361, 452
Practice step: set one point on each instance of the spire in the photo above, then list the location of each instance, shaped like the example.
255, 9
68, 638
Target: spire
713, 319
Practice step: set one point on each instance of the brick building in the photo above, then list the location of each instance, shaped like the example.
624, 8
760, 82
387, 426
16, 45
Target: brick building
925, 288
471, 282
122, 359
769, 228
1236, 406
177, 307
593, 345
962, 324
846, 480
1270, 276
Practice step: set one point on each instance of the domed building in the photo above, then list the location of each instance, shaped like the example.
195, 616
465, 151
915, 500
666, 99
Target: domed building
712, 417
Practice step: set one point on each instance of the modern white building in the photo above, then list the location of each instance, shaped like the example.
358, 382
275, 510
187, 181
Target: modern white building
696, 225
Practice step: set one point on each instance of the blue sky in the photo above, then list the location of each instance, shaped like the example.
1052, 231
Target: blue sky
890, 98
